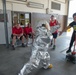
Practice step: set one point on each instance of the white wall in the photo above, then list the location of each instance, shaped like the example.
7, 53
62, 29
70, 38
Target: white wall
2, 28
2, 34
22, 6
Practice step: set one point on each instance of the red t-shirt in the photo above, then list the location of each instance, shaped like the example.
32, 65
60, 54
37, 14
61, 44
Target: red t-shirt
27, 30
53, 24
16, 30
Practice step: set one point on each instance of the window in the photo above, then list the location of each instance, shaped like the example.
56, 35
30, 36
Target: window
22, 18
55, 6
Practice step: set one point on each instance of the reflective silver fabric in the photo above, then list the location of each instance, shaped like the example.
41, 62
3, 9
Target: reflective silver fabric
39, 50
54, 28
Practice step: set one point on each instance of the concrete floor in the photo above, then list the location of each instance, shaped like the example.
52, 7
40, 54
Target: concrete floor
12, 61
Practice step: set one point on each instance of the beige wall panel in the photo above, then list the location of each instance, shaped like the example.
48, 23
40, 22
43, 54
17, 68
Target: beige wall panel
63, 1
63, 8
1, 6
20, 7
45, 2
9, 6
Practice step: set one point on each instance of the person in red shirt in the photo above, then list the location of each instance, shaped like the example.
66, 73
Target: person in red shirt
52, 23
28, 32
17, 33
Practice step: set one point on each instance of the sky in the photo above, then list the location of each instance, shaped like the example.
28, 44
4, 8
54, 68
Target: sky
72, 7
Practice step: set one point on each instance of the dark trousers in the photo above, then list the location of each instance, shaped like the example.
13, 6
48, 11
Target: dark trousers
72, 40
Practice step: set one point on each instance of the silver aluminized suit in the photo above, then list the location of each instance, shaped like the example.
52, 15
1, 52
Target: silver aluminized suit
39, 51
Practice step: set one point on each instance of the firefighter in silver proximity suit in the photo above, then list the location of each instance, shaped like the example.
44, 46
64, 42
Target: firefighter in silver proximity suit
39, 50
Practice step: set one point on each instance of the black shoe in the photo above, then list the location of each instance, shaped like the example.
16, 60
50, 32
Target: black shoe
68, 51
54, 47
51, 44
23, 45
13, 48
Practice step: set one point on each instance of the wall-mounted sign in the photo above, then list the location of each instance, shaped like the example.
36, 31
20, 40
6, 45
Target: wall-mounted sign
35, 5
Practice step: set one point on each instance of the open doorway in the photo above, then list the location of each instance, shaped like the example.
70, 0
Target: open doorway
72, 5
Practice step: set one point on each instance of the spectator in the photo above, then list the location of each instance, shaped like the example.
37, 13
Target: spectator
17, 33
52, 23
28, 32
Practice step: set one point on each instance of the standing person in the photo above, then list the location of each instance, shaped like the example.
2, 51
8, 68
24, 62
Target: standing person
17, 33
28, 32
54, 22
72, 24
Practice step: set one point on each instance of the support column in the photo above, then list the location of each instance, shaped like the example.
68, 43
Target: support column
5, 23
